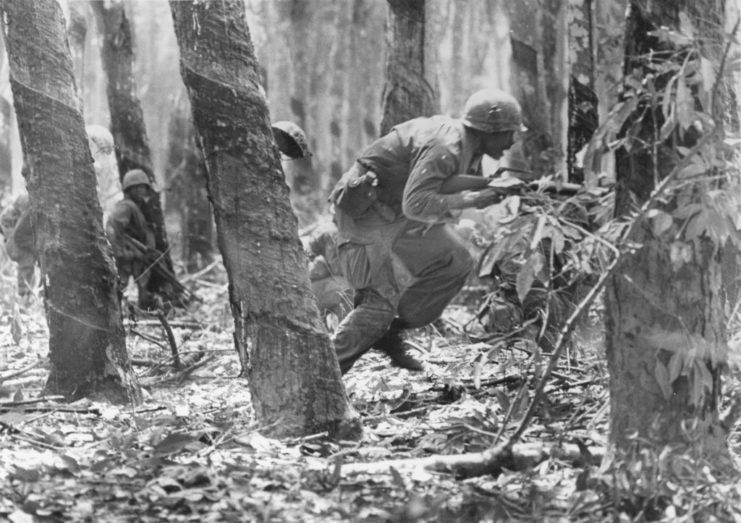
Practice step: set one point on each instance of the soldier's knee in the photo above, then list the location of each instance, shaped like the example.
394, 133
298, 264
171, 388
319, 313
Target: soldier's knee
463, 262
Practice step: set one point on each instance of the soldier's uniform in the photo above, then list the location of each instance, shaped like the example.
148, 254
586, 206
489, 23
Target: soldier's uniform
17, 226
396, 247
332, 291
128, 221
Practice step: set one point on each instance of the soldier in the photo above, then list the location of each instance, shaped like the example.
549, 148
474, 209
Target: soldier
332, 291
132, 237
16, 222
300, 176
396, 248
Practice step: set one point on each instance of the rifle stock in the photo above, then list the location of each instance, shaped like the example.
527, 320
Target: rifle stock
159, 267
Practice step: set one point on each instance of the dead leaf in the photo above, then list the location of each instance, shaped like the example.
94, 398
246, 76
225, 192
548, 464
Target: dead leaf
174, 443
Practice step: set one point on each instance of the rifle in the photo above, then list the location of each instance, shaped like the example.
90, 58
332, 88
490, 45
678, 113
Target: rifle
158, 266
465, 182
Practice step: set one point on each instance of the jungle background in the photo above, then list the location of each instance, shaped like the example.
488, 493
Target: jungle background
194, 448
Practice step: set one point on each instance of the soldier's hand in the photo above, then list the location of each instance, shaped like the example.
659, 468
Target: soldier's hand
486, 197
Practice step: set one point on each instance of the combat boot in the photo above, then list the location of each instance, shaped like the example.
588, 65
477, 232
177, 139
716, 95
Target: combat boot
392, 343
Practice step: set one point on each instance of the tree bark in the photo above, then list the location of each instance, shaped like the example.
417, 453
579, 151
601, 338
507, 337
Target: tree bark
410, 89
77, 32
86, 336
127, 119
539, 80
292, 370
664, 312
186, 193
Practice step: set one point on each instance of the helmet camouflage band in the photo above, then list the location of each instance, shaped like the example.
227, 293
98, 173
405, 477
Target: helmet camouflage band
491, 111
135, 177
291, 140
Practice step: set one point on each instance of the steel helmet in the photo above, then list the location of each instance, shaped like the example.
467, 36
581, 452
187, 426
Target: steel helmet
491, 111
135, 177
291, 140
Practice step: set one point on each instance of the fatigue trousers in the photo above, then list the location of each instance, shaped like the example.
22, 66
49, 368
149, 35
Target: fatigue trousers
439, 264
139, 270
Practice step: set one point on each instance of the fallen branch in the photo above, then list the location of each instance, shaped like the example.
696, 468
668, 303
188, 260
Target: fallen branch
20, 371
170, 339
4, 404
492, 461
208, 268
174, 324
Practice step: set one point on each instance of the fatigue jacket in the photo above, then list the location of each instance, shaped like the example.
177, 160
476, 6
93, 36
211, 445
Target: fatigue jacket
127, 219
411, 163
17, 225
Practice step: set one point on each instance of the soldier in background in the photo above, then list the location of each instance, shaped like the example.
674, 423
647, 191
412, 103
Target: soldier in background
16, 223
395, 244
132, 237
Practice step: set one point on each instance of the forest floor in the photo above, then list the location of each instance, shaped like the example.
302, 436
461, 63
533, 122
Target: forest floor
192, 450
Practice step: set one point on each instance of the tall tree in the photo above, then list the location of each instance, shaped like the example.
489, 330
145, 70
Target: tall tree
186, 186
666, 339
410, 90
77, 33
291, 366
86, 336
127, 119
539, 80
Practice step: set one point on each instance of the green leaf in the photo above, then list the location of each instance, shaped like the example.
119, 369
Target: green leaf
174, 443
685, 105
676, 363
662, 378
525, 279
538, 234
661, 222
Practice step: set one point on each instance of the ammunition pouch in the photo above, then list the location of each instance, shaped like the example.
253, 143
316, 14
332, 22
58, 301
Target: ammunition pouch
356, 192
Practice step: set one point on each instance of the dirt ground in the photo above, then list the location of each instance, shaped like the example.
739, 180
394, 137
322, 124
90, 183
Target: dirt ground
193, 452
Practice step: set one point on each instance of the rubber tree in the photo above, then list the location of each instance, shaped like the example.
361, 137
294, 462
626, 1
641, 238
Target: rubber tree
666, 337
86, 336
127, 119
284, 348
187, 197
410, 89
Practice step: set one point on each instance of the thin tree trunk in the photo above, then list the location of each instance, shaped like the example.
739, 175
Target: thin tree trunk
665, 324
77, 32
539, 80
292, 369
186, 194
86, 336
410, 90
127, 119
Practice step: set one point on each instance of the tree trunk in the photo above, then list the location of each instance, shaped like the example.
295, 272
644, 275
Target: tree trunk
292, 369
665, 326
127, 119
410, 85
187, 196
86, 336
539, 80
77, 32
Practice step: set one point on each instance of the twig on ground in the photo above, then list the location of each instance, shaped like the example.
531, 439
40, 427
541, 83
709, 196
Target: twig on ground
170, 339
149, 338
34, 401
19, 372
208, 268
174, 324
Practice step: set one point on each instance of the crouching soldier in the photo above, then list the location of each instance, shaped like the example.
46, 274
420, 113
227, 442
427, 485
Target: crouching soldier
132, 237
16, 223
396, 247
